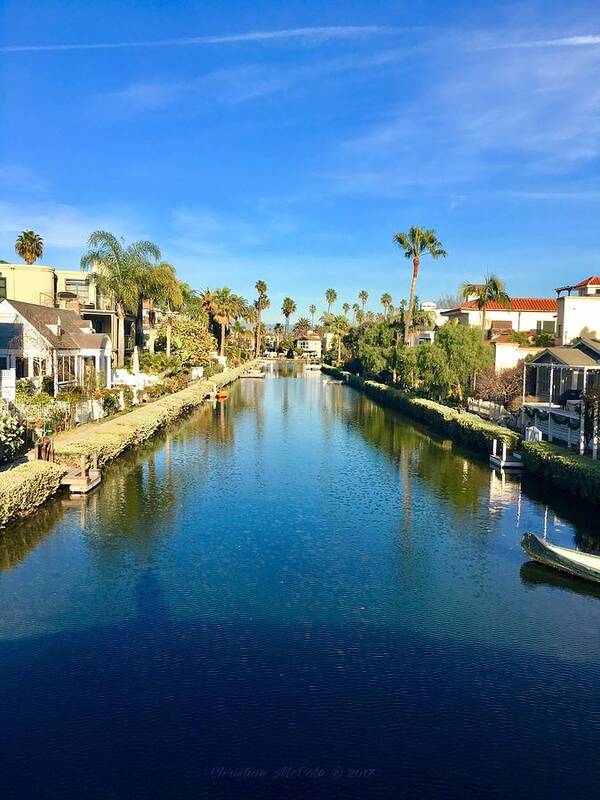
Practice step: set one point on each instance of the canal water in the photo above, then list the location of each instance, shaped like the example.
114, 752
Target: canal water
298, 593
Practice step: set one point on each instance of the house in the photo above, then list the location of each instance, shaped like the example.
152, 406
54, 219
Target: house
46, 286
578, 310
38, 341
310, 344
524, 314
555, 383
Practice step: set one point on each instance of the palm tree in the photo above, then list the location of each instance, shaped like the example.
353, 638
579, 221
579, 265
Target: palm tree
345, 309
29, 246
223, 306
166, 291
312, 310
490, 291
363, 296
301, 328
288, 307
416, 243
386, 302
355, 310
338, 325
117, 273
277, 330
331, 297
261, 303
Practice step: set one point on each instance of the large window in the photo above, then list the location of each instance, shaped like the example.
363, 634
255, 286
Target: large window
2, 288
66, 369
545, 326
79, 287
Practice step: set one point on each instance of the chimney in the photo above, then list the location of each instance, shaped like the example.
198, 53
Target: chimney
74, 305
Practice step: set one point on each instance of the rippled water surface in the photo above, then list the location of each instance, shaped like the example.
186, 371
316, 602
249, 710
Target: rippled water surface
298, 593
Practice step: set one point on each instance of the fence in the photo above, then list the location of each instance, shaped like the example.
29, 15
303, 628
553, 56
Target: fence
488, 410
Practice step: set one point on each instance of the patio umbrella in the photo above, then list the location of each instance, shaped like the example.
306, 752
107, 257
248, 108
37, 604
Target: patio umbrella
135, 361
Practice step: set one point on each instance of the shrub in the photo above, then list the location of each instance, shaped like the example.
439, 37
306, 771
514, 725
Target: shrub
575, 473
48, 385
27, 486
11, 437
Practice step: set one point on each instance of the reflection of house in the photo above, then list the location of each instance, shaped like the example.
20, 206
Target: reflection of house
310, 344
554, 385
46, 286
525, 314
579, 310
38, 340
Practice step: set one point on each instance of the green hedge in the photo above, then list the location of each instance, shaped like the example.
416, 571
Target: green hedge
462, 427
108, 439
564, 468
24, 488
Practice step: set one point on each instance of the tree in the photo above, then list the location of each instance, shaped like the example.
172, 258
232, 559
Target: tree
277, 330
261, 303
29, 246
117, 273
164, 288
288, 307
223, 306
346, 309
338, 325
386, 302
355, 310
331, 297
417, 243
312, 310
363, 296
301, 328
466, 354
490, 291
192, 342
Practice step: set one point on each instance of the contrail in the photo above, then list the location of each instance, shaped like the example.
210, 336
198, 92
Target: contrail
565, 41
332, 32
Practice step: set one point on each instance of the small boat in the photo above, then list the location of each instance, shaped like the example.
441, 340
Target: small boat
253, 373
221, 394
582, 565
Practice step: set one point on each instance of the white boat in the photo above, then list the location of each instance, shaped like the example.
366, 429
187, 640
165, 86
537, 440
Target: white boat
583, 565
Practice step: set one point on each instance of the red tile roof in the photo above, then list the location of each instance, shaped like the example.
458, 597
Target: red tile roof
516, 304
593, 280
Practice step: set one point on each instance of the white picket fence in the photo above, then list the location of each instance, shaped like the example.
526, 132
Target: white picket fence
488, 410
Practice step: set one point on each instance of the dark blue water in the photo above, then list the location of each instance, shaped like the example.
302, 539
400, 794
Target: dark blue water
298, 594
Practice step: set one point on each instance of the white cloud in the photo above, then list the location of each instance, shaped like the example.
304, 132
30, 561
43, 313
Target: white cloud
314, 34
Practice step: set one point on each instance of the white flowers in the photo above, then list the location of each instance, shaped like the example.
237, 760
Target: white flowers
11, 436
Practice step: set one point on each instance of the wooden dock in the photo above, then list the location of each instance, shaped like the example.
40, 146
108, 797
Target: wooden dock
84, 479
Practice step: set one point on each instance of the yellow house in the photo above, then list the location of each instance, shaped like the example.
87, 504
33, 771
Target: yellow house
29, 283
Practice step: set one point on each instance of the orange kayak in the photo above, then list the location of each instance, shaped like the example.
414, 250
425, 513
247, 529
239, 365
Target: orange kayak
222, 394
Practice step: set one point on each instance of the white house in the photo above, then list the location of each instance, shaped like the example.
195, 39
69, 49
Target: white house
578, 310
525, 314
37, 341
310, 344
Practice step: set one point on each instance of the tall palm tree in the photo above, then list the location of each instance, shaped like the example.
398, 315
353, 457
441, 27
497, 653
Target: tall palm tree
288, 307
117, 270
417, 243
301, 328
363, 296
312, 310
331, 297
29, 246
355, 310
223, 306
345, 309
261, 304
490, 291
386, 302
338, 325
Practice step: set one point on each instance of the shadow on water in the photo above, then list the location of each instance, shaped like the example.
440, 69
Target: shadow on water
535, 575
161, 707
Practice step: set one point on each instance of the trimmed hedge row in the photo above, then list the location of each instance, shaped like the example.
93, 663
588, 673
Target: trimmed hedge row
24, 488
109, 439
462, 427
570, 471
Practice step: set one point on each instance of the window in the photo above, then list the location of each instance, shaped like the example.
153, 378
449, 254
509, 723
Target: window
3, 362
545, 326
39, 367
79, 287
2, 288
66, 369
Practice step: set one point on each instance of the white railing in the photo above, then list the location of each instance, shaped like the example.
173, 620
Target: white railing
487, 409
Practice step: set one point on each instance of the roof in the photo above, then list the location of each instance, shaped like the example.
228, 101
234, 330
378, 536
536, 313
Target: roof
546, 304
310, 336
73, 328
571, 356
593, 280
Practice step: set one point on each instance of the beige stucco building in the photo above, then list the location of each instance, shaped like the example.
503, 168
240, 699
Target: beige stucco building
578, 311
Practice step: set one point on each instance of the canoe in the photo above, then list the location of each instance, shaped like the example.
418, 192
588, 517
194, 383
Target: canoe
222, 394
583, 565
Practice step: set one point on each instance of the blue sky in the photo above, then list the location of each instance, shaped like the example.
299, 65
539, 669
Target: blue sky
289, 141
